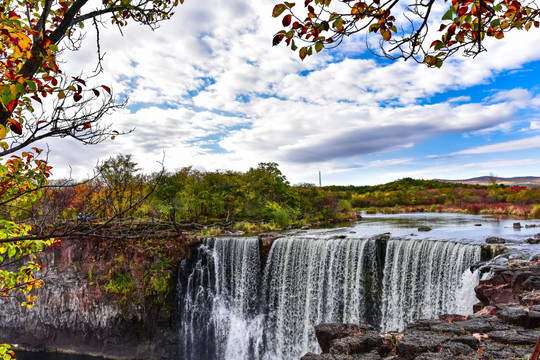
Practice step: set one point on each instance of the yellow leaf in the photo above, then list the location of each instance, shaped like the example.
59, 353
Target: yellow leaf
2, 136
61, 95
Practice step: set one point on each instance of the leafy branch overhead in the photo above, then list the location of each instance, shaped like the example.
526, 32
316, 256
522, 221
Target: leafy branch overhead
33, 34
464, 26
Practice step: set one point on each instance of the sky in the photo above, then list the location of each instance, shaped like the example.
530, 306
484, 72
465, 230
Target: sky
208, 90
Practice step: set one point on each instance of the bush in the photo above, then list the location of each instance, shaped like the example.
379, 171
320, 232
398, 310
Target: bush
282, 218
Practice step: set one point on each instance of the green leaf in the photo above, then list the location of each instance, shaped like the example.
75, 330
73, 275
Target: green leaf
319, 46
12, 251
497, 7
495, 22
449, 15
278, 10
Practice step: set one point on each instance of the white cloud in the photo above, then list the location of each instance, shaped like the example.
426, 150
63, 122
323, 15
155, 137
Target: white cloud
209, 78
514, 145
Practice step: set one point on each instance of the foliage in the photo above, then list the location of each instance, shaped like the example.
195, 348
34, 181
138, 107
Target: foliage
465, 25
33, 35
22, 179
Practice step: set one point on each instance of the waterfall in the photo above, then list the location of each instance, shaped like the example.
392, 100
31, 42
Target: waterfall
422, 279
312, 281
219, 301
232, 309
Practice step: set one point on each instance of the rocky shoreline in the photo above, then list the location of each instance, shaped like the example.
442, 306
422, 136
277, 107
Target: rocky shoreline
505, 326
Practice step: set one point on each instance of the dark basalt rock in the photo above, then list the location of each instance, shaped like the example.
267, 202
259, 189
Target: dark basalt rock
495, 240
415, 343
327, 333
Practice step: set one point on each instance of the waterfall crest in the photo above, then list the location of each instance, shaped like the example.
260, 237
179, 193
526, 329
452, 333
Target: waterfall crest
232, 309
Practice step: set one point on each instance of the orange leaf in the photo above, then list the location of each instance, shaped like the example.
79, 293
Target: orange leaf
11, 105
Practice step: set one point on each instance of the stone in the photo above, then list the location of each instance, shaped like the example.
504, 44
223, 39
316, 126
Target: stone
468, 340
424, 228
517, 225
356, 344
514, 337
495, 240
457, 348
326, 333
513, 315
535, 240
530, 298
415, 343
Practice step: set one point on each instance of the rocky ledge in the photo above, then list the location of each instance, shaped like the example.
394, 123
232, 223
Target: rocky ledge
505, 326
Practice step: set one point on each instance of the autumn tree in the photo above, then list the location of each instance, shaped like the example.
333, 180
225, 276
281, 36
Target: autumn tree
39, 100
463, 26
34, 33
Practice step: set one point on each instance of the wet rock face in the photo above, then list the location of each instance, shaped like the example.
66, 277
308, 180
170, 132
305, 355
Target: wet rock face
72, 315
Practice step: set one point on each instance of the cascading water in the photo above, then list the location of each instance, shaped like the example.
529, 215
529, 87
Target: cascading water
309, 281
422, 279
232, 309
219, 301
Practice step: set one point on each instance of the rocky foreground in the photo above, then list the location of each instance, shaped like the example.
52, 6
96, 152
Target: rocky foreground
506, 325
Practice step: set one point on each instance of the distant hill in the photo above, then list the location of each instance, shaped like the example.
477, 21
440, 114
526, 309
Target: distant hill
529, 181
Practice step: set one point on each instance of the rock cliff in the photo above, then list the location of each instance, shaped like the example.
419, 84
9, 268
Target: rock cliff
78, 310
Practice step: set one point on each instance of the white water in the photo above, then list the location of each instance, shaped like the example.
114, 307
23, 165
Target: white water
423, 279
232, 310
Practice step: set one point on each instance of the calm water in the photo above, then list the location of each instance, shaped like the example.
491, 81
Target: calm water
471, 229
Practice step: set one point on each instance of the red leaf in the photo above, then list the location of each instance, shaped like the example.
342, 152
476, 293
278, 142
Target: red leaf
303, 53
79, 80
107, 89
96, 92
15, 126
86, 126
277, 39
77, 97
54, 82
11, 106
287, 20
36, 98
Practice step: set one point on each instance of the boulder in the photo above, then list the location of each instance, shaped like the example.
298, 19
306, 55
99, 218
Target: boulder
424, 228
495, 240
327, 333
415, 343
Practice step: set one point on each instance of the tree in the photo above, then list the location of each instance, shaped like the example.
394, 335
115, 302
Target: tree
33, 34
464, 26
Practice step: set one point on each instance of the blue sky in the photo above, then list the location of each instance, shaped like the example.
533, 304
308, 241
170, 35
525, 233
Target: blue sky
207, 89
